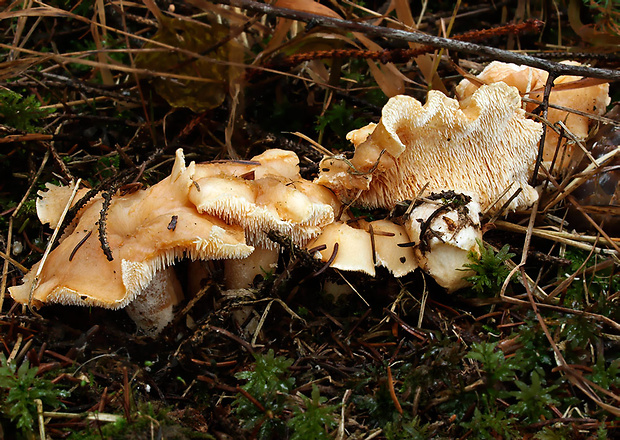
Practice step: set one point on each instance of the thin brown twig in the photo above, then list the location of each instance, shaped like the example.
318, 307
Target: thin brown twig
545, 109
126, 395
402, 55
573, 376
254, 401
390, 381
329, 261
103, 237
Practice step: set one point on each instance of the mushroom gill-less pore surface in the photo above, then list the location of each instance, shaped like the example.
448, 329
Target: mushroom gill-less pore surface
486, 149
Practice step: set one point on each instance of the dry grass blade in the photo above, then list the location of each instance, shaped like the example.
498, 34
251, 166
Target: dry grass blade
575, 378
51, 242
579, 241
587, 173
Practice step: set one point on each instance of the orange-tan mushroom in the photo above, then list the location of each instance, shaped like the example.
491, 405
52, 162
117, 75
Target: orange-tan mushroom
266, 194
146, 231
486, 148
592, 99
205, 211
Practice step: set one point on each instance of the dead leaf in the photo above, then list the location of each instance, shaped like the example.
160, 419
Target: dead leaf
199, 38
386, 80
589, 33
309, 6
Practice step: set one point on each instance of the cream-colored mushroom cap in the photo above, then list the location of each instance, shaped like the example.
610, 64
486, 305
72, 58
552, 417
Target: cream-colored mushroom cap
482, 148
276, 162
445, 236
387, 237
368, 245
348, 248
146, 231
524, 78
269, 195
531, 82
51, 203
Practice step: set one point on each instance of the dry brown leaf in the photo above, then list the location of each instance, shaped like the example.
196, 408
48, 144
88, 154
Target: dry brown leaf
307, 6
589, 32
403, 13
11, 69
153, 9
426, 63
388, 77
41, 12
100, 34
279, 34
389, 83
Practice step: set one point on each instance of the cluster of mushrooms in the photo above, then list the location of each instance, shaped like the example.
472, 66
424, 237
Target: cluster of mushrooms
455, 160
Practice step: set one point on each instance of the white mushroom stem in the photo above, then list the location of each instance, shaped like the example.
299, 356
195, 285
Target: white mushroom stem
153, 309
444, 236
240, 273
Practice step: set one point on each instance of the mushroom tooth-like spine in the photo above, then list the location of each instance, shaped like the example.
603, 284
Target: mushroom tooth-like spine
482, 148
445, 234
227, 197
531, 82
270, 203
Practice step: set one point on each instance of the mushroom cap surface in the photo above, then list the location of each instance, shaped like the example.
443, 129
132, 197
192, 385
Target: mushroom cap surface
482, 148
146, 230
266, 194
361, 250
51, 202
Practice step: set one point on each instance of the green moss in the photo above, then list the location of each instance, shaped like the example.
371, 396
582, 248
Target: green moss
149, 420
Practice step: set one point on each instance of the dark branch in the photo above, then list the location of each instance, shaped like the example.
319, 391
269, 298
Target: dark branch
418, 37
103, 238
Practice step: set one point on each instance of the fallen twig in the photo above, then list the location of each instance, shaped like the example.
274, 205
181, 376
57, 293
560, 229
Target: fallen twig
418, 37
